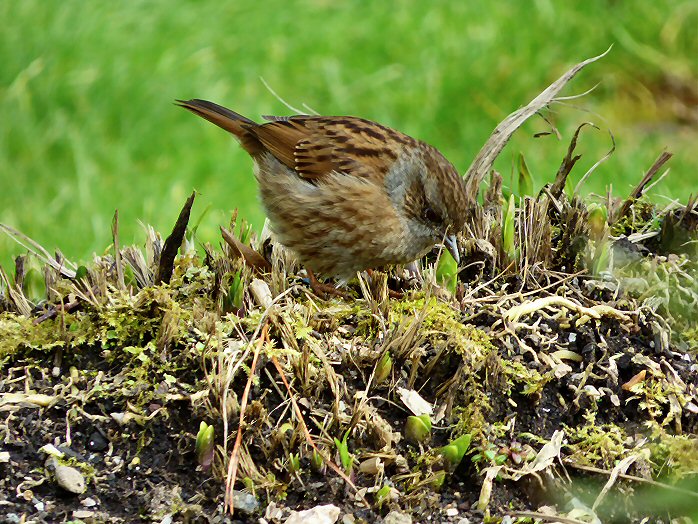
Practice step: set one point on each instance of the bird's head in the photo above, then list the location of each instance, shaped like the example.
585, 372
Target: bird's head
430, 195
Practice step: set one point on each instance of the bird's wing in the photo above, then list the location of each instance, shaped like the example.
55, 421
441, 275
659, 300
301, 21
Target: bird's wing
316, 146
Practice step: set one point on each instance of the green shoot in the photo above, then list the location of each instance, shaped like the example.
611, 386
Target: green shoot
383, 368
509, 229
316, 461
294, 463
205, 445
417, 429
346, 459
455, 451
447, 272
525, 178
382, 496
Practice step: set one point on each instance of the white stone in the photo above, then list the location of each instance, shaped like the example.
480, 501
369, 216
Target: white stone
327, 514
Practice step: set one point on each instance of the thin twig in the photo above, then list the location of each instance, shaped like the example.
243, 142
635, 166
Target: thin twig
597, 163
309, 438
233, 465
117, 251
38, 250
278, 97
500, 136
640, 188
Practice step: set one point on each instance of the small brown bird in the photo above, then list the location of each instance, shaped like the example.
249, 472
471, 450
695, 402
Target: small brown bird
347, 194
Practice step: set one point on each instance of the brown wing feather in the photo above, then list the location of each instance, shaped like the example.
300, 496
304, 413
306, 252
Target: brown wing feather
316, 146
281, 138
313, 146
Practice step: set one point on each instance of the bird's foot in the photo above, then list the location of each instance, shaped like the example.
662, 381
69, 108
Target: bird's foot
395, 294
322, 290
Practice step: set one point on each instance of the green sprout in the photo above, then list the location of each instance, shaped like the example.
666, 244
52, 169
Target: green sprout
204, 445
455, 451
316, 461
417, 429
525, 178
509, 229
345, 457
382, 496
598, 220
516, 452
491, 455
294, 463
598, 233
447, 272
383, 368
235, 292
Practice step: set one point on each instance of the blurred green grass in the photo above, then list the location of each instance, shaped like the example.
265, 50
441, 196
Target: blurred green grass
88, 123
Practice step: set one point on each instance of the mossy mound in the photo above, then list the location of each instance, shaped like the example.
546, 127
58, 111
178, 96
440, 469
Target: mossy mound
548, 364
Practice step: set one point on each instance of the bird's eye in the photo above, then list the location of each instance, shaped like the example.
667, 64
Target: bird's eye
430, 215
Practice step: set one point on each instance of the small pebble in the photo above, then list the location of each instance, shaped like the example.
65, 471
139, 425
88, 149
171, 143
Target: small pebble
245, 502
97, 442
70, 479
397, 517
325, 514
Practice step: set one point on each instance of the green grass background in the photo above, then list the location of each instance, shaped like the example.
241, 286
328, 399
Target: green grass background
87, 123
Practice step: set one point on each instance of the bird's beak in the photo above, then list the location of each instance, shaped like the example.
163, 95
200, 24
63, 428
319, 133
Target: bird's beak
451, 243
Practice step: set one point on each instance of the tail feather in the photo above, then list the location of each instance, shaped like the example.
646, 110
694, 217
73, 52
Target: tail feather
226, 119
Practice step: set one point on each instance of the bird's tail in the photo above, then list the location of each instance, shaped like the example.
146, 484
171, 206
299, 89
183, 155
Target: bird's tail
226, 119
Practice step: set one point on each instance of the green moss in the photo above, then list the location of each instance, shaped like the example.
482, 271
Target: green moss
660, 398
443, 322
642, 217
670, 284
596, 444
87, 470
21, 333
673, 456
530, 380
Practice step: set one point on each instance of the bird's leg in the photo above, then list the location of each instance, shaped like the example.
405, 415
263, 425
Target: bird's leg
395, 294
323, 290
391, 292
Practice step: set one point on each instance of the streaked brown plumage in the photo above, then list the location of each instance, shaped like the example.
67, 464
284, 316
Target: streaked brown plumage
347, 194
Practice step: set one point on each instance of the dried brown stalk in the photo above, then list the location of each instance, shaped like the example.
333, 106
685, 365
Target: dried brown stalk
500, 136
639, 189
249, 255
309, 438
171, 247
117, 251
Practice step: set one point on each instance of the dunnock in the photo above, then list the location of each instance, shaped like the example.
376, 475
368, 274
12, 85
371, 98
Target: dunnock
347, 194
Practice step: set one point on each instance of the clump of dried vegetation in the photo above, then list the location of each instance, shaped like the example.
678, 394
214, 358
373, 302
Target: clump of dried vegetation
552, 376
